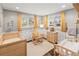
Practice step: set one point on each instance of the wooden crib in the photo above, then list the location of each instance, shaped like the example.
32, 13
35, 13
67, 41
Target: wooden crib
62, 51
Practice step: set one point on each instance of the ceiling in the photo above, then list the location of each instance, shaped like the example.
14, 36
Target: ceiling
37, 8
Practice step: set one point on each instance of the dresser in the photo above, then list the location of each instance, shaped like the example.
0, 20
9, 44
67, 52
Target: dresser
13, 47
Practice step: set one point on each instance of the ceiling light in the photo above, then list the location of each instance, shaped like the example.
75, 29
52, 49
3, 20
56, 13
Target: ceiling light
63, 6
41, 25
17, 8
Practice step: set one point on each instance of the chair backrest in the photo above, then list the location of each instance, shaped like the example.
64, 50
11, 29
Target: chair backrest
0, 36
1, 39
63, 51
52, 37
35, 34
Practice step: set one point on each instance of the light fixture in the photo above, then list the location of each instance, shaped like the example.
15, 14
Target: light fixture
63, 6
41, 25
17, 8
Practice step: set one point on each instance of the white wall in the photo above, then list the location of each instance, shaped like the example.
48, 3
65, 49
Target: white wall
69, 17
1, 20
10, 16
27, 17
27, 32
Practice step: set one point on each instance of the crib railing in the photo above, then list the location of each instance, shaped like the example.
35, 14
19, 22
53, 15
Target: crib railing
63, 51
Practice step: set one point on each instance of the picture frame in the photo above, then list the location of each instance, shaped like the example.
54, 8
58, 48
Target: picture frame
24, 21
31, 21
57, 21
